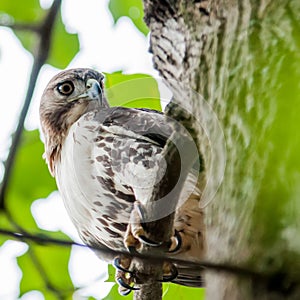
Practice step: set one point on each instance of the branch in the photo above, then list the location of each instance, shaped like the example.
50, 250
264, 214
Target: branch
274, 280
149, 257
45, 32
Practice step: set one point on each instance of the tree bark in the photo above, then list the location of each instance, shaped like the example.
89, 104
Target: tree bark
243, 58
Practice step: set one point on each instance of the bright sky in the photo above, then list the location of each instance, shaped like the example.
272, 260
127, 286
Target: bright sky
104, 47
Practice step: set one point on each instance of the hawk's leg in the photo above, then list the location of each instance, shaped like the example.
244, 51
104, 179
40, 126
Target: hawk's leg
136, 234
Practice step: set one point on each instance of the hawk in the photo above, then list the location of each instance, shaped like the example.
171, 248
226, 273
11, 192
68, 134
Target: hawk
105, 160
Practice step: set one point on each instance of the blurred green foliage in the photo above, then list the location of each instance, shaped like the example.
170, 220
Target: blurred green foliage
29, 181
45, 267
28, 11
64, 45
179, 292
132, 9
134, 90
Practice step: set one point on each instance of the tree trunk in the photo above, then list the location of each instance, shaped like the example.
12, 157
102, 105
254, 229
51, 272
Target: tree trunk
243, 57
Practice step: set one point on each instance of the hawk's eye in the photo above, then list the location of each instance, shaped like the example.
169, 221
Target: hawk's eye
66, 88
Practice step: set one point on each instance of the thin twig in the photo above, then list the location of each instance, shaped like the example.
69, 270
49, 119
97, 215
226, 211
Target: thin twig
150, 257
40, 57
22, 26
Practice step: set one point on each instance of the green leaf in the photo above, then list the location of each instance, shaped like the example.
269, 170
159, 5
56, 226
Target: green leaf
30, 180
173, 291
132, 9
45, 268
111, 274
136, 90
22, 11
31, 279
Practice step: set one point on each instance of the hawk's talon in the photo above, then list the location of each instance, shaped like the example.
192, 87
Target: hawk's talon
172, 276
126, 286
132, 250
117, 265
123, 292
149, 242
178, 239
124, 277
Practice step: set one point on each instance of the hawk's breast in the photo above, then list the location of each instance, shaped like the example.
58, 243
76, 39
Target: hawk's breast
102, 171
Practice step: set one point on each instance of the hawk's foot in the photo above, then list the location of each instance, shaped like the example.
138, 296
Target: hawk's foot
170, 272
136, 234
126, 278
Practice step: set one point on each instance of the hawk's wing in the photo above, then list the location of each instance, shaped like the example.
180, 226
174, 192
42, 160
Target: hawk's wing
144, 122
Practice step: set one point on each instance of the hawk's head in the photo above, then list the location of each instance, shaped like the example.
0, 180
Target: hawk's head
66, 98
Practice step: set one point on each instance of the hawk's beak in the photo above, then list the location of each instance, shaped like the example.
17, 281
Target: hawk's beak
94, 90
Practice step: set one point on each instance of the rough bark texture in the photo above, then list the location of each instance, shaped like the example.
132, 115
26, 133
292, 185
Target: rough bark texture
243, 58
